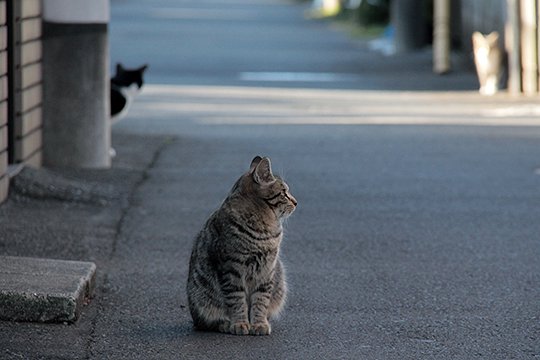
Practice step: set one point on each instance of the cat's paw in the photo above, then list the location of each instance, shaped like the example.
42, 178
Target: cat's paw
240, 328
260, 329
224, 327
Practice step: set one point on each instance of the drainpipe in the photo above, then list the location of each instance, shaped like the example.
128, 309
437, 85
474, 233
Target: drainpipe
76, 127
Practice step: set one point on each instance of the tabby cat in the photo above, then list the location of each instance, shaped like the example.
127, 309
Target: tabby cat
236, 280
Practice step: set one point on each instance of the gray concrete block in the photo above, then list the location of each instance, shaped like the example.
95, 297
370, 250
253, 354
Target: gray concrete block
44, 290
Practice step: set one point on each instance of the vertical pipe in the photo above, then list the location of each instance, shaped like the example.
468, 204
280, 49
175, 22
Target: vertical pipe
529, 66
441, 36
513, 47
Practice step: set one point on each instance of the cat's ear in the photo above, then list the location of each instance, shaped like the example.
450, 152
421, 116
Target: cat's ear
143, 68
492, 38
477, 38
256, 160
119, 68
263, 172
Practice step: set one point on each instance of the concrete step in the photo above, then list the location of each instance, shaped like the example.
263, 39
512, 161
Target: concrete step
44, 290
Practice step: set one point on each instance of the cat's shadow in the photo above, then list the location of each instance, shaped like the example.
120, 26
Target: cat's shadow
166, 332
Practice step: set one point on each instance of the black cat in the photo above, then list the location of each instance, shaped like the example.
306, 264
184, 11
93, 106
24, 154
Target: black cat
125, 84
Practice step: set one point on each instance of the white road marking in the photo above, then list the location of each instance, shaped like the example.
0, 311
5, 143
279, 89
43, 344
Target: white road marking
297, 76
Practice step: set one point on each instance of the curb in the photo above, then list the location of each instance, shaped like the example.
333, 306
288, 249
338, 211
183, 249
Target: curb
44, 290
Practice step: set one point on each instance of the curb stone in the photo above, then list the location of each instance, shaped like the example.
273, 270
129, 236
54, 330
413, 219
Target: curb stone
44, 290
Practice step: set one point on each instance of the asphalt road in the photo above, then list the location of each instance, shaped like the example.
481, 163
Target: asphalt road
417, 232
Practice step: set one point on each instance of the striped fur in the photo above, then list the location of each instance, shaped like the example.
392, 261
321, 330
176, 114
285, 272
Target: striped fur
236, 280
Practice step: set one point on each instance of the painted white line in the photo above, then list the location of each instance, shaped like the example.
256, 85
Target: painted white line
517, 111
200, 14
297, 77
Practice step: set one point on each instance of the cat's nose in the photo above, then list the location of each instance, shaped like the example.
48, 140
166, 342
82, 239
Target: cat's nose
293, 200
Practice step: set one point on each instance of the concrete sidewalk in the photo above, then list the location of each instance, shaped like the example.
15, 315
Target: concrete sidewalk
70, 214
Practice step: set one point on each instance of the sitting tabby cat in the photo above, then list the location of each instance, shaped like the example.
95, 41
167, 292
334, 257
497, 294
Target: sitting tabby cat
125, 84
236, 280
488, 61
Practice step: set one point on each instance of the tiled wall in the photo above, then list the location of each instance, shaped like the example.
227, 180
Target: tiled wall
27, 84
20, 86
